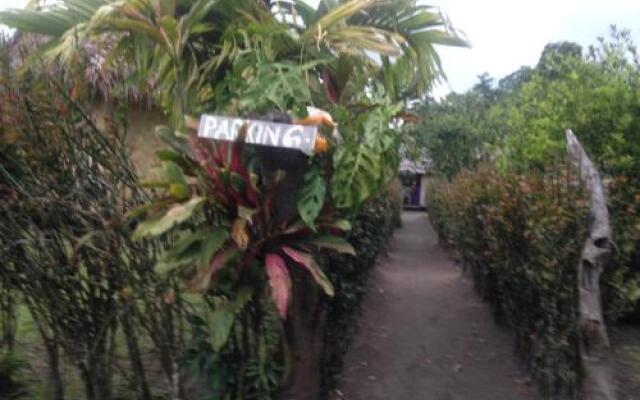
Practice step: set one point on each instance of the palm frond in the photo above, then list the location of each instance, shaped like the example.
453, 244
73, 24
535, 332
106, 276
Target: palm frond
422, 28
53, 20
364, 38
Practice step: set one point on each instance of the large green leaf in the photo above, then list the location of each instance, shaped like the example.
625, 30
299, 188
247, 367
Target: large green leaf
311, 197
184, 242
306, 260
276, 84
341, 224
173, 173
334, 243
357, 174
177, 214
165, 266
212, 243
377, 130
220, 324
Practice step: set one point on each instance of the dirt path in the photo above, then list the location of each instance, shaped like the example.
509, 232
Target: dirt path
424, 333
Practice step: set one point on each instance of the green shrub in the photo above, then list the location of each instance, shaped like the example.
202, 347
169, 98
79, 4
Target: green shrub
372, 227
598, 96
520, 126
621, 289
519, 237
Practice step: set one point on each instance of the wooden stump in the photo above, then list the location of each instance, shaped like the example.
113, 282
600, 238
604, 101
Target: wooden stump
594, 341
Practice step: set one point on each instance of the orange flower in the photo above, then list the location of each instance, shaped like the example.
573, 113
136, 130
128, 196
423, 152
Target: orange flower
321, 144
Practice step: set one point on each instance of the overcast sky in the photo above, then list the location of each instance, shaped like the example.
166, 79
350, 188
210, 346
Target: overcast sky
12, 3
506, 34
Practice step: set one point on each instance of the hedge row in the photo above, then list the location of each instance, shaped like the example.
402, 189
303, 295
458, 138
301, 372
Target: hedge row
372, 228
519, 237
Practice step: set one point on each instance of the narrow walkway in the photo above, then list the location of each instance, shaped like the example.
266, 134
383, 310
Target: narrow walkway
424, 333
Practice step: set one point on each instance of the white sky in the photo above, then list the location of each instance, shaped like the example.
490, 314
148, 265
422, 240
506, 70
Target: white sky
12, 3
506, 34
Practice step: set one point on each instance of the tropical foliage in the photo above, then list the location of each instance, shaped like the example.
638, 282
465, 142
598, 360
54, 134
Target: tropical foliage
519, 237
66, 245
259, 56
372, 227
518, 223
237, 223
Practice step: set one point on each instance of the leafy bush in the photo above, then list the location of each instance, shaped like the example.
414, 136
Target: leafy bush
621, 291
240, 239
519, 127
520, 236
372, 227
456, 132
65, 242
597, 95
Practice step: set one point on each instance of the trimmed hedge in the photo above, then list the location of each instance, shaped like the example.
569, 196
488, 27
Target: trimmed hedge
621, 292
519, 237
372, 228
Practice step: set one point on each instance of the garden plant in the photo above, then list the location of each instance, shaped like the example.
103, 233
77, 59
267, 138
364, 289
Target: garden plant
514, 209
216, 262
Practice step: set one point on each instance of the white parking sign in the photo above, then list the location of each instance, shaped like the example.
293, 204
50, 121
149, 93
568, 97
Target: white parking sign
265, 133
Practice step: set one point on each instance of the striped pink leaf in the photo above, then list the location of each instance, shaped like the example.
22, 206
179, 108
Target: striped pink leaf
305, 260
280, 283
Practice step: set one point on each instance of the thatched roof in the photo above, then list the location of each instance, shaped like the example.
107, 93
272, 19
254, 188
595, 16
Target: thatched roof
107, 82
420, 166
415, 160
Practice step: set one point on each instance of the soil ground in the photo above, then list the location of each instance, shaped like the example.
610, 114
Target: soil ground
626, 353
425, 334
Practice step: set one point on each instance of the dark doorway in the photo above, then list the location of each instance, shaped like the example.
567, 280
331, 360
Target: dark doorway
411, 189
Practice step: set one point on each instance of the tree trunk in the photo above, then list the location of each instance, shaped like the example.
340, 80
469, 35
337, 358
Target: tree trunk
594, 341
304, 331
95, 370
7, 316
52, 347
305, 324
137, 367
55, 378
162, 329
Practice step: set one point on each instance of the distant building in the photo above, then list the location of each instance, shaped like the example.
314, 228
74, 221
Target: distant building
415, 175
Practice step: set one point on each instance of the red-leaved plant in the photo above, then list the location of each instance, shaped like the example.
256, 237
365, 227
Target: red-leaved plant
223, 215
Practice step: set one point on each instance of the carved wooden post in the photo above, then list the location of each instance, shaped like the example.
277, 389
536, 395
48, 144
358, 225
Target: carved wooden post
594, 342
